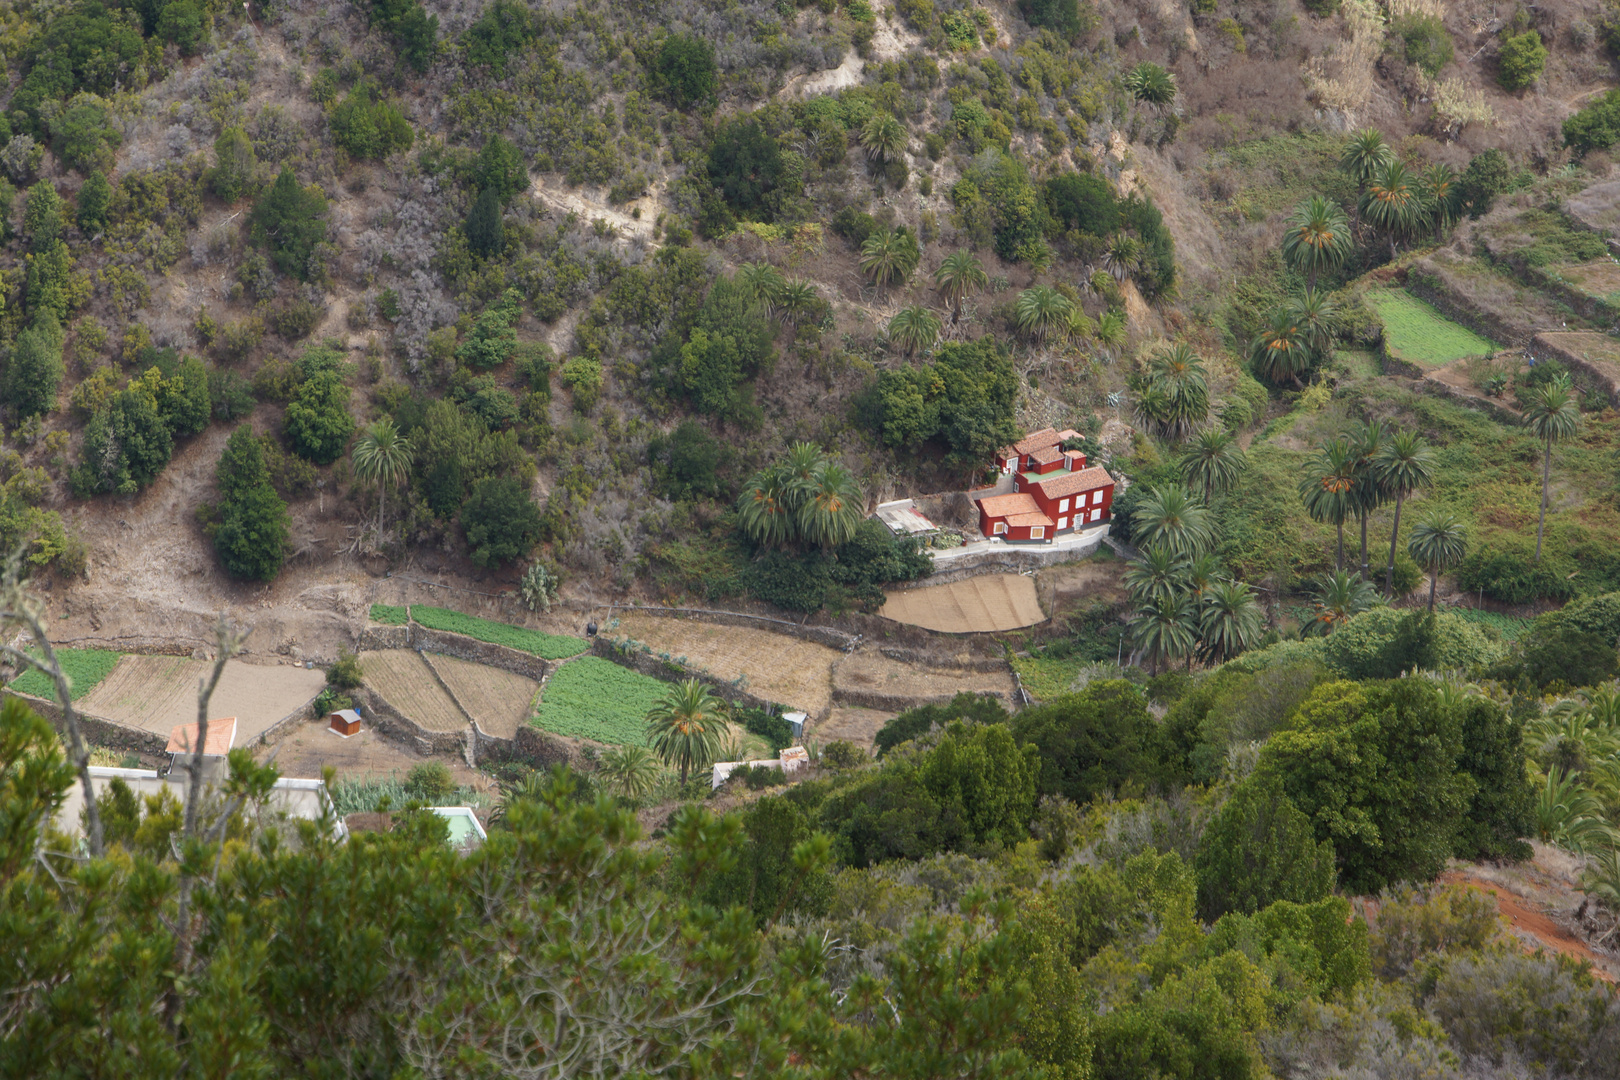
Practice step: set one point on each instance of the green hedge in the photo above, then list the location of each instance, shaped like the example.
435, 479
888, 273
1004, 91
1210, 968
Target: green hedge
389, 615
545, 646
83, 667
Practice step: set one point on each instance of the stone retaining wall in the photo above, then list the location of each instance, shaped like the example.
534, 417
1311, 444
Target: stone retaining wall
97, 730
1498, 412
1009, 560
1583, 373
391, 723
820, 635
414, 635
378, 638
871, 699
925, 659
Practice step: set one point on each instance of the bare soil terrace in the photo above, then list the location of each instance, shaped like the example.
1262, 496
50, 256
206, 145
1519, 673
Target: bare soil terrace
798, 674
499, 700
156, 693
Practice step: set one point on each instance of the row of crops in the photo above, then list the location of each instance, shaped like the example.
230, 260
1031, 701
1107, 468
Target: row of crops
546, 646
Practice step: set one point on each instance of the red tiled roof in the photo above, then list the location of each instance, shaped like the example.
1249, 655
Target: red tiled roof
1066, 434
1046, 455
1000, 506
1037, 439
1018, 521
1057, 485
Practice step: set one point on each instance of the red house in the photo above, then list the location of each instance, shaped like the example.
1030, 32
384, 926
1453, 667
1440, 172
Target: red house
1053, 490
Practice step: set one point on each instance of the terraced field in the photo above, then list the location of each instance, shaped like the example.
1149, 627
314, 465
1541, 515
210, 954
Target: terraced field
499, 700
403, 678
1414, 331
156, 693
778, 667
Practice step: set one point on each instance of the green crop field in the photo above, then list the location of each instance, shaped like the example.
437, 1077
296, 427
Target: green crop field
83, 667
388, 615
545, 646
592, 698
1048, 677
1416, 332
1509, 626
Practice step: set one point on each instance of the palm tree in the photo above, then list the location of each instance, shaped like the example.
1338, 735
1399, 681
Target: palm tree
1041, 309
1110, 332
1213, 461
1403, 465
1202, 574
1179, 374
1151, 85
765, 282
1318, 238
686, 726
1229, 621
1158, 573
383, 455
1339, 598
796, 299
765, 508
1438, 543
883, 136
1078, 324
1364, 155
1165, 628
833, 510
1393, 204
630, 771
1123, 257
801, 463
958, 277
1326, 487
1439, 185
1367, 495
889, 255
913, 329
1552, 416
1169, 516
1317, 317
1281, 351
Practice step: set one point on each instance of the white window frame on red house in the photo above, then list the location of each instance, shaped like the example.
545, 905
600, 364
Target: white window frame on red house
998, 528
1037, 532
1064, 505
1096, 497
1063, 523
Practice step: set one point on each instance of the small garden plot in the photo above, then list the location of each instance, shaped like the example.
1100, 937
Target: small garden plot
1599, 279
406, 682
499, 700
156, 693
1049, 677
83, 667
1509, 626
388, 614
592, 698
545, 646
1415, 332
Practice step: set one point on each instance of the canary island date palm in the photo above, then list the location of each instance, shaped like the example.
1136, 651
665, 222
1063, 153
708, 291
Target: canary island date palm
1339, 598
1318, 238
1157, 573
1212, 462
1393, 204
1170, 517
796, 301
1404, 465
630, 771
914, 329
960, 276
765, 282
833, 507
1438, 542
1368, 494
686, 726
1179, 374
1229, 621
883, 136
1152, 85
765, 509
1165, 629
382, 455
1317, 317
1281, 351
889, 256
1364, 154
1552, 417
1040, 310
1440, 186
1326, 488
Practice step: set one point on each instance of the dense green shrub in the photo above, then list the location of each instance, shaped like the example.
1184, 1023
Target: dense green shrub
492, 339
1499, 812
686, 463
34, 373
184, 24
251, 533
852, 572
963, 399
686, 70
1082, 202
501, 168
764, 879
1066, 17
318, 424
287, 222
1097, 742
1425, 42
86, 47
230, 395
1374, 767
83, 136
1519, 63
769, 726
1230, 708
1508, 572
368, 128
94, 198
1595, 127
42, 217
974, 789
413, 28
919, 721
485, 232
745, 164
854, 225
500, 520
234, 164
125, 447
1260, 849
1488, 175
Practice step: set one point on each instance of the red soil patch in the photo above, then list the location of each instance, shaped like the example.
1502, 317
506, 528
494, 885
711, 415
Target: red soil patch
1532, 926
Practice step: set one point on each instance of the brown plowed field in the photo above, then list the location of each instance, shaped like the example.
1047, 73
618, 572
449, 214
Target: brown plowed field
875, 673
779, 668
402, 677
499, 700
156, 693
974, 605
859, 726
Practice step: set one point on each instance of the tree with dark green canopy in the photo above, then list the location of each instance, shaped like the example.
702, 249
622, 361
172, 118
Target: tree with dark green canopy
287, 221
34, 374
1260, 849
501, 169
251, 535
1083, 202
318, 421
686, 69
500, 520
486, 235
234, 162
745, 163
94, 198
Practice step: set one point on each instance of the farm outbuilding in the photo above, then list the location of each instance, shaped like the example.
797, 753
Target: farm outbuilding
344, 721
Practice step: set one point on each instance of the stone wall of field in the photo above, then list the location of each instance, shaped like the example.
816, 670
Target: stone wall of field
645, 663
413, 635
96, 730
820, 635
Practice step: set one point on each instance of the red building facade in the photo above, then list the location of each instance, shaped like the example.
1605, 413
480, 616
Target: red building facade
1053, 490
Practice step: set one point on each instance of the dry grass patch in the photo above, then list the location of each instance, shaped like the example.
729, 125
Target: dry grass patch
778, 668
156, 693
404, 679
873, 672
499, 700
